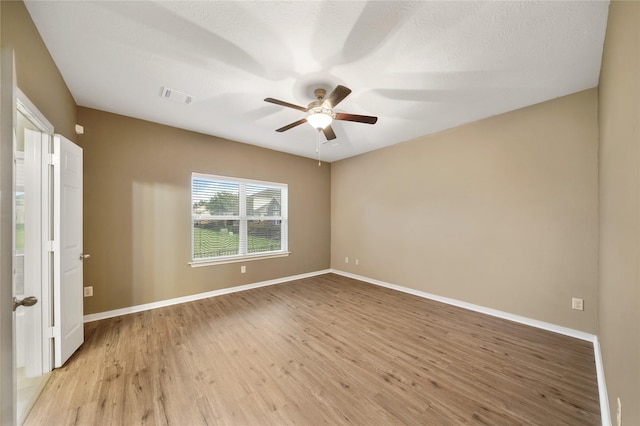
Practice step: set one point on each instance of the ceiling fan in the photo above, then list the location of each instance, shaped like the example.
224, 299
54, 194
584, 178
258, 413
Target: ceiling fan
320, 112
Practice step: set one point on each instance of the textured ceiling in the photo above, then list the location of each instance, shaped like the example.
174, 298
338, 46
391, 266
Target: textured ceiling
421, 67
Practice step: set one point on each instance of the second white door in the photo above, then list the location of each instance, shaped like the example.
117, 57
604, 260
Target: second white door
68, 293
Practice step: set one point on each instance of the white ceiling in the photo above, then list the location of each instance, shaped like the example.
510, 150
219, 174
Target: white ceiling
420, 66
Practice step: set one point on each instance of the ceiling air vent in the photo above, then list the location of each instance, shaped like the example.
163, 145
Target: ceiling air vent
175, 96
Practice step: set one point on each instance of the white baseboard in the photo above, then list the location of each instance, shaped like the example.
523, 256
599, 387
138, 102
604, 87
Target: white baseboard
192, 297
605, 410
602, 387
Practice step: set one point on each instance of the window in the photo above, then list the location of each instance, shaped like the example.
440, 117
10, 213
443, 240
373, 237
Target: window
236, 219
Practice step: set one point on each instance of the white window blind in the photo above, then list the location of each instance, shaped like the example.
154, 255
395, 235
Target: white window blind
236, 218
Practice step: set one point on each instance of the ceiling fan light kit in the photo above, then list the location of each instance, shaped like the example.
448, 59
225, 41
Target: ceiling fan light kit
319, 118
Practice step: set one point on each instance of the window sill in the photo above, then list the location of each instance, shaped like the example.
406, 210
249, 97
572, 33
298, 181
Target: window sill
248, 258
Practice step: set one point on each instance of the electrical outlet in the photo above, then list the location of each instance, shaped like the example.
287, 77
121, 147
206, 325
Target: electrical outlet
88, 291
577, 304
243, 269
346, 260
357, 262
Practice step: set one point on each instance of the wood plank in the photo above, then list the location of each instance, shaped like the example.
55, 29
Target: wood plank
326, 349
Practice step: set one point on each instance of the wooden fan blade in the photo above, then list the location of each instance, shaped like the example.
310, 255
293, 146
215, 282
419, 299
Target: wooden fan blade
329, 133
338, 94
291, 126
354, 117
285, 104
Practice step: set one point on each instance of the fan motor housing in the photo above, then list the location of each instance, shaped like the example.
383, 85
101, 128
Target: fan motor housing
318, 106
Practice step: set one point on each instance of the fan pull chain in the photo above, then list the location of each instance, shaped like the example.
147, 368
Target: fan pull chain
318, 148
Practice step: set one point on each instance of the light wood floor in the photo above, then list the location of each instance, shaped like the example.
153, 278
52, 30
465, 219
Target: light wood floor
323, 350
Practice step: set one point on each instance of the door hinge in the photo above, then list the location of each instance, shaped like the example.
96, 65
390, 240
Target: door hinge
53, 159
50, 332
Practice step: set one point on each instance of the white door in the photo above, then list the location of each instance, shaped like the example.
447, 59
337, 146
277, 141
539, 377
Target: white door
28, 256
69, 328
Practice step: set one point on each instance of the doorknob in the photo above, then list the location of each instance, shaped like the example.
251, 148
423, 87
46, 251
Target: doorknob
27, 301
84, 256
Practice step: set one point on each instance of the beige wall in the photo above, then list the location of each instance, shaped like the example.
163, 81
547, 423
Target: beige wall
37, 74
137, 210
619, 289
501, 213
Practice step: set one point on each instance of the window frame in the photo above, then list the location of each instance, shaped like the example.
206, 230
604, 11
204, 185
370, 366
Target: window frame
243, 220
